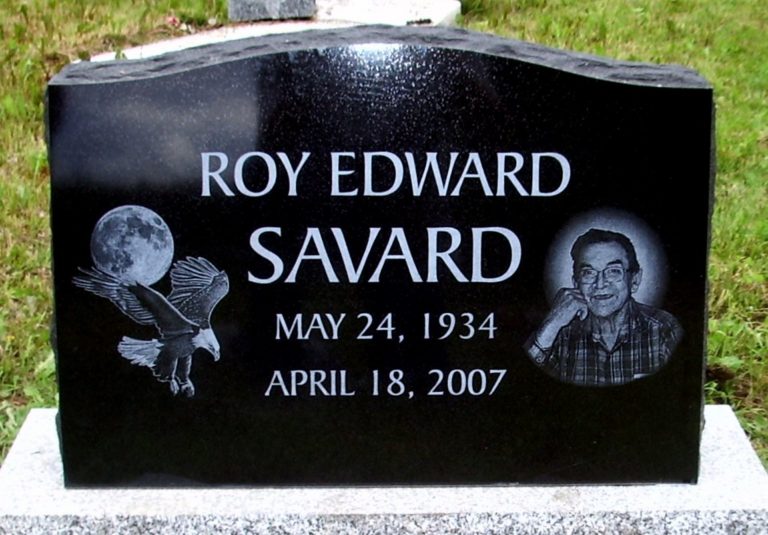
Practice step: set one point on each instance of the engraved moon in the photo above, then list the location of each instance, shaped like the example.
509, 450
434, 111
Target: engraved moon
132, 243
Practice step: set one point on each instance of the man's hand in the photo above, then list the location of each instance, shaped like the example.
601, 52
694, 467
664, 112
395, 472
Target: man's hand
569, 302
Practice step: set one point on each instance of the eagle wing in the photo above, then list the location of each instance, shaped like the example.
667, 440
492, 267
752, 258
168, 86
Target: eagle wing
139, 302
105, 285
197, 287
168, 320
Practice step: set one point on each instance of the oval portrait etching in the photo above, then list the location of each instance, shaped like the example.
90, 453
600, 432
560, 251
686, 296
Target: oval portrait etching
605, 276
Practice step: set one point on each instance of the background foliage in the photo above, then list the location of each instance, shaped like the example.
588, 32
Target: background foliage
725, 40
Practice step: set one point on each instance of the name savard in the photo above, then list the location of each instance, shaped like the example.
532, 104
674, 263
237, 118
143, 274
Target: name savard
328, 251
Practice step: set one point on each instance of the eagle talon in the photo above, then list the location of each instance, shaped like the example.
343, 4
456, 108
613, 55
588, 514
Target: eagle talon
188, 389
174, 384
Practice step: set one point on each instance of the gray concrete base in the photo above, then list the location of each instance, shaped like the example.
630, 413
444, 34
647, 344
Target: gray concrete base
731, 497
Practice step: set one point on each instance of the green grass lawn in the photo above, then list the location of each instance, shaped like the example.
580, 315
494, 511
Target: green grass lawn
725, 40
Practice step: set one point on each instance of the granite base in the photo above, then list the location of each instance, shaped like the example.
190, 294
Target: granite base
731, 497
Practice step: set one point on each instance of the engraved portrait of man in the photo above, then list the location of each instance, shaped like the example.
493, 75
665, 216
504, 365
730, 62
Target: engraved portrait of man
596, 333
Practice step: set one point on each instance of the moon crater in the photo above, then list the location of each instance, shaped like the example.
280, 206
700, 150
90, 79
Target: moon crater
133, 244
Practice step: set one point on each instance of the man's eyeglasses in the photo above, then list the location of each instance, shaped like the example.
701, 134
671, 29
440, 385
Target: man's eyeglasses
610, 274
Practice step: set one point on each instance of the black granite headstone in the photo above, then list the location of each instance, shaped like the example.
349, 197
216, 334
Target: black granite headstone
379, 256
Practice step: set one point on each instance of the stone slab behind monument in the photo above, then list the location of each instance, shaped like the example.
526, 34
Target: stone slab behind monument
270, 9
731, 497
329, 14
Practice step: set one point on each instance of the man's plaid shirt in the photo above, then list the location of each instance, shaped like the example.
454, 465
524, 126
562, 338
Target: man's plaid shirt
645, 343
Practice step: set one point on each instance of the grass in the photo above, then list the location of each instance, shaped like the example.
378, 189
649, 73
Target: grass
723, 39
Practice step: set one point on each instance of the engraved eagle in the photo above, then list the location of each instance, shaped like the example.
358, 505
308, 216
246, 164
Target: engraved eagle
183, 319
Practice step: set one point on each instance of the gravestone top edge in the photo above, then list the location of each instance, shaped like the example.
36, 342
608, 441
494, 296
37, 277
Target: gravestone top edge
592, 66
